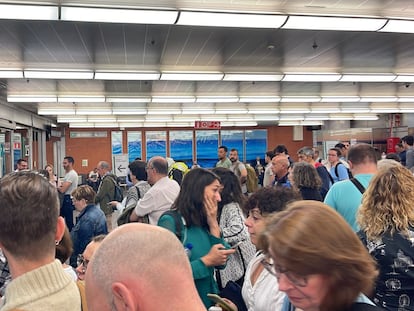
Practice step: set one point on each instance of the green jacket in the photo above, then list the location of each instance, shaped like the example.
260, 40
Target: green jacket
106, 193
201, 241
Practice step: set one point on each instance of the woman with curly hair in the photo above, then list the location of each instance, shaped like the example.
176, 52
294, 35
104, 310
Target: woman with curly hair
305, 178
386, 218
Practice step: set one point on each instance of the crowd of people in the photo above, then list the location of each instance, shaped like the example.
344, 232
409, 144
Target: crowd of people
314, 235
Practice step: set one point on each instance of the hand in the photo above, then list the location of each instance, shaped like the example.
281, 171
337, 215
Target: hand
113, 203
230, 303
217, 256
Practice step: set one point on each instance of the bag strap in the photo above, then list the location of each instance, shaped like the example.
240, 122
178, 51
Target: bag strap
357, 184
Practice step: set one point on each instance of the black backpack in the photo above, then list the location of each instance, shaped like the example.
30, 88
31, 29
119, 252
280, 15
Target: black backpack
347, 169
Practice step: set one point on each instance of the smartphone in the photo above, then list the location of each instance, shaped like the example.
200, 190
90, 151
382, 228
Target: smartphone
236, 245
220, 301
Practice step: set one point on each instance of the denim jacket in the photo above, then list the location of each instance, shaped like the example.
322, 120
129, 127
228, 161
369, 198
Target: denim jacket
90, 222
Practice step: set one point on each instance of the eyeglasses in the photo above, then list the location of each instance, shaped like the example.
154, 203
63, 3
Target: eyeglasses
276, 271
82, 261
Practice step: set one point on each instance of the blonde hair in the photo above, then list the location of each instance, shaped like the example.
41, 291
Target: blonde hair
310, 237
387, 204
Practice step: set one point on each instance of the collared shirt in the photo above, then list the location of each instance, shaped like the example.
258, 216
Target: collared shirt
224, 163
158, 199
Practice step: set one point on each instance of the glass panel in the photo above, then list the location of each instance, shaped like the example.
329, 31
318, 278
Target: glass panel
116, 142
256, 145
233, 140
156, 143
207, 145
181, 146
134, 141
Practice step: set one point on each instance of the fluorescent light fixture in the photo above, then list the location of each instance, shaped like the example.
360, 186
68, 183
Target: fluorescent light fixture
252, 77
325, 108
300, 99
394, 25
180, 124
294, 123
129, 99
105, 125
81, 125
29, 12
214, 117
71, 119
263, 108
316, 117
217, 99
407, 99
378, 99
131, 119
238, 123
163, 109
109, 15
246, 117
311, 77
200, 110
158, 118
367, 117
355, 107
106, 119
56, 111
230, 108
173, 99
128, 110
186, 118
192, 76
339, 99
267, 117
334, 23
126, 75
11, 73
406, 107
58, 74
384, 107
404, 78
341, 116
155, 124
135, 124
31, 98
81, 99
102, 109
242, 20
368, 78
259, 99
291, 117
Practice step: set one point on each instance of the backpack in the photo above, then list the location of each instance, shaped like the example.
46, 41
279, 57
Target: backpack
118, 192
177, 171
252, 179
347, 169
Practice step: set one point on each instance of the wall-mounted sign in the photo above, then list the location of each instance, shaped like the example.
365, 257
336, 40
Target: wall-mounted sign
207, 124
101, 134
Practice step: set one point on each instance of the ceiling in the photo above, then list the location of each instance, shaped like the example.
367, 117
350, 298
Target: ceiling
67, 45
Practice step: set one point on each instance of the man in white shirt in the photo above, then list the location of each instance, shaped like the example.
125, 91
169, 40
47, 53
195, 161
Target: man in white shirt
69, 183
268, 178
162, 194
239, 169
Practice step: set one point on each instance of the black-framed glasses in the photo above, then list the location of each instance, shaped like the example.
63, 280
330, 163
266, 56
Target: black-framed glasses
277, 271
82, 261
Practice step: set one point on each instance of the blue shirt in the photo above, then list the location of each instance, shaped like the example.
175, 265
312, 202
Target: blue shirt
90, 222
345, 198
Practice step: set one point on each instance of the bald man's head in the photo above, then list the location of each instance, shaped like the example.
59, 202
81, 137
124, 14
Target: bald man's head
142, 257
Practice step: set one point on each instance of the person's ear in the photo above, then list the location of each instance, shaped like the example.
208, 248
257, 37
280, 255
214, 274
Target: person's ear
60, 229
350, 165
122, 297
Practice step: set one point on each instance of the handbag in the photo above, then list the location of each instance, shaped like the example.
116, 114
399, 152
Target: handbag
232, 291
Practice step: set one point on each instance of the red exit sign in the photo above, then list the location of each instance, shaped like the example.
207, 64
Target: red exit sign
207, 125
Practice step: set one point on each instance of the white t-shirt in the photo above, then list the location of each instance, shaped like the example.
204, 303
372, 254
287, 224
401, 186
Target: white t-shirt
72, 178
264, 295
158, 199
268, 177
